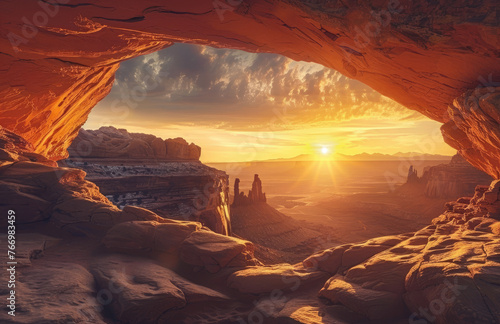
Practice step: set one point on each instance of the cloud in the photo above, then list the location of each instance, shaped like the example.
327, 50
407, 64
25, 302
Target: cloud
241, 106
239, 90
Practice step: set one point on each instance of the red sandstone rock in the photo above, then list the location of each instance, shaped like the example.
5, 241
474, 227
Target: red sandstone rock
54, 292
214, 251
15, 148
451, 180
421, 54
264, 279
194, 245
144, 291
111, 143
473, 128
178, 148
137, 237
374, 304
451, 266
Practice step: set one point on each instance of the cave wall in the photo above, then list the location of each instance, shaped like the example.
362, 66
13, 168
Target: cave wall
58, 57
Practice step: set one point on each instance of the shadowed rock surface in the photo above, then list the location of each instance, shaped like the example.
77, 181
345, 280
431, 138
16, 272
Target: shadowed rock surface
277, 237
162, 176
455, 179
112, 143
255, 195
144, 290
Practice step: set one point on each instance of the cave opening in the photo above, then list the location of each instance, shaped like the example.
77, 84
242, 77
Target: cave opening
87, 257
312, 134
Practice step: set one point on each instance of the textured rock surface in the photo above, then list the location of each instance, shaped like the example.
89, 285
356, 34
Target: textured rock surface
72, 203
258, 280
187, 240
14, 148
31, 246
143, 290
421, 54
214, 251
455, 179
111, 143
445, 273
473, 128
54, 293
139, 237
184, 190
255, 195
277, 237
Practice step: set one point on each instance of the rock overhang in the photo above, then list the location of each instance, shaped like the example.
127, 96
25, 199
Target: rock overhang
59, 58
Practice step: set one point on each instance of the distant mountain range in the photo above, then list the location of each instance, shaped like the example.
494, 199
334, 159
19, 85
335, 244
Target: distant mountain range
366, 157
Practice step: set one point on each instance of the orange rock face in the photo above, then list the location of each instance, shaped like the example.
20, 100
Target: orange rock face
473, 129
58, 59
109, 142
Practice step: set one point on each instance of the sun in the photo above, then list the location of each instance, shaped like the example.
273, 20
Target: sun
325, 151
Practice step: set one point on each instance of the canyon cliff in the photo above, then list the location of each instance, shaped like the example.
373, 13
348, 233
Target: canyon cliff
164, 176
455, 179
427, 56
111, 143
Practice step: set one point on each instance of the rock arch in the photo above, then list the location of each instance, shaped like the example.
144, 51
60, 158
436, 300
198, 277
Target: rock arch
58, 57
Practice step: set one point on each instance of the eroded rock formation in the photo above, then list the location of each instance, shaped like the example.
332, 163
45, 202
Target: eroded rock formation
255, 195
64, 274
444, 273
412, 175
473, 128
455, 179
58, 60
423, 55
162, 176
180, 271
111, 143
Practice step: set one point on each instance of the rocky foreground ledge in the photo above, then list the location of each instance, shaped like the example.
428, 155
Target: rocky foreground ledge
82, 259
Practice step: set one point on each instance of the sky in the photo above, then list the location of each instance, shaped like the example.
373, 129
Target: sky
241, 106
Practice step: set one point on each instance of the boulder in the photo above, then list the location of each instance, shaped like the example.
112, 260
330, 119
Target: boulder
149, 236
215, 251
139, 291
374, 304
264, 279
328, 260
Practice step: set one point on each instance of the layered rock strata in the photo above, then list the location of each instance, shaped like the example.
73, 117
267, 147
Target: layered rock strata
145, 171
451, 180
180, 271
